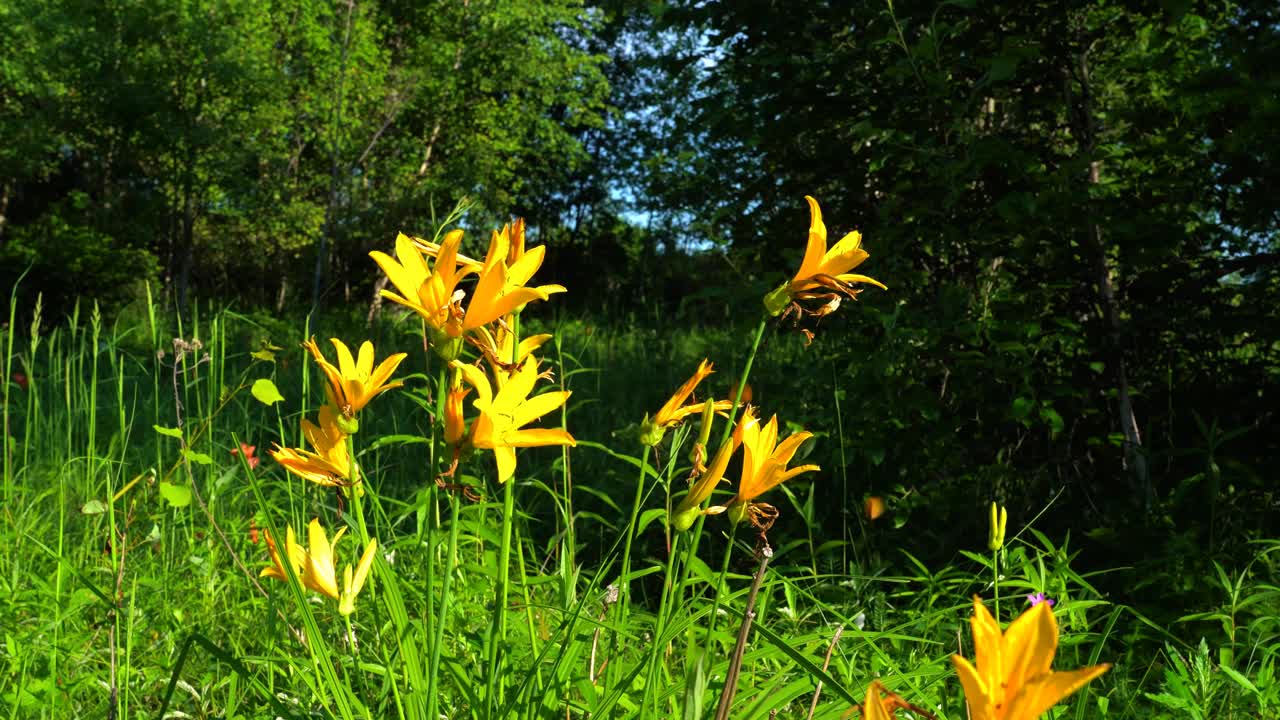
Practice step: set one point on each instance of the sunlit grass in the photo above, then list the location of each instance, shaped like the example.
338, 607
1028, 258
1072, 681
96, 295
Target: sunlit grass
136, 532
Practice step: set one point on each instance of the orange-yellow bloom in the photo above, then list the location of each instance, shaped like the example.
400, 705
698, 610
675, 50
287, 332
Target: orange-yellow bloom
433, 291
503, 414
434, 294
500, 288
1012, 679
691, 506
315, 568
507, 246
354, 382
876, 707
674, 411
328, 463
764, 467
823, 274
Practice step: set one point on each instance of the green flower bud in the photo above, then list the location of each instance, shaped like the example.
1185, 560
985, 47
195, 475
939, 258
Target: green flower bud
778, 300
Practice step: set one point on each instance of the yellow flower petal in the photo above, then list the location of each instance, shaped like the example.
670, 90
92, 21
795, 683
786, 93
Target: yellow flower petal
873, 708
1045, 691
352, 584
1013, 679
975, 690
503, 415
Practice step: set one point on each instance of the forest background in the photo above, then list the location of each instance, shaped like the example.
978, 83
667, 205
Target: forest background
1074, 205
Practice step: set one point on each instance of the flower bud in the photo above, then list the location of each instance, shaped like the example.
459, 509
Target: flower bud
995, 535
778, 300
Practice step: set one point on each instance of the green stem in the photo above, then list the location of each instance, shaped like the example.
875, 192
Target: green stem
995, 580
357, 504
446, 587
433, 652
657, 647
720, 587
631, 530
499, 626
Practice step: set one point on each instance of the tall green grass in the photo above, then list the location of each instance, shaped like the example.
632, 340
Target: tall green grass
129, 576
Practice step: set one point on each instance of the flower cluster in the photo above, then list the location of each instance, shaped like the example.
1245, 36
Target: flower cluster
350, 385
428, 280
431, 279
433, 289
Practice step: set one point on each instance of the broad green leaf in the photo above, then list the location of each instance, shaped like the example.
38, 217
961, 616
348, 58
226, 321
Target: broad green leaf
198, 458
168, 431
178, 496
265, 391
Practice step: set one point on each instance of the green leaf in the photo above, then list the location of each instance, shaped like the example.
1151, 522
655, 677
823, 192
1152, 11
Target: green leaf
1241, 680
93, 507
1022, 407
198, 458
1055, 421
804, 662
179, 496
265, 391
168, 431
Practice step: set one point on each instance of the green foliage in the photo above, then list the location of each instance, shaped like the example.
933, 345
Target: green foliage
239, 140
83, 262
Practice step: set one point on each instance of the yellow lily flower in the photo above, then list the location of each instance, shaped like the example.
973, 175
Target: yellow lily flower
328, 463
353, 584
521, 264
432, 292
764, 466
674, 411
319, 573
315, 566
353, 383
297, 556
690, 507
1013, 679
875, 707
500, 289
823, 274
504, 413
497, 347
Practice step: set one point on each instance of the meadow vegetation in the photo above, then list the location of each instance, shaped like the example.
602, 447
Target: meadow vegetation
380, 561
686, 450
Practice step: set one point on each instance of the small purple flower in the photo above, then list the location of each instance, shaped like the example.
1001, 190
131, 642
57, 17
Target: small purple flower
1039, 597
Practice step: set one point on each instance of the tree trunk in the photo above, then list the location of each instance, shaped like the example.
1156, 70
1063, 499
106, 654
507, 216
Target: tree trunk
5, 191
282, 294
1084, 127
186, 252
322, 248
